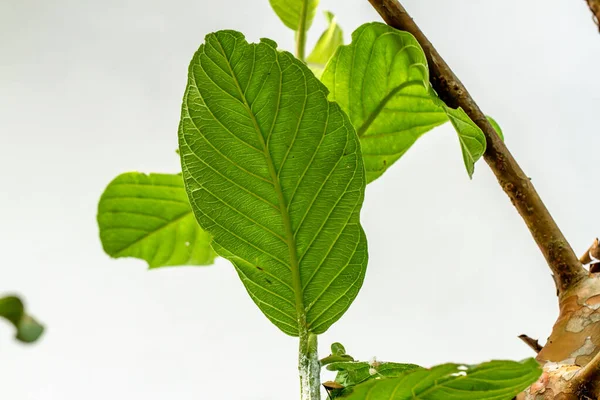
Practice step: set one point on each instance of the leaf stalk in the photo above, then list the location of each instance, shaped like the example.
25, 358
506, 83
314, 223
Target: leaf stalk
309, 367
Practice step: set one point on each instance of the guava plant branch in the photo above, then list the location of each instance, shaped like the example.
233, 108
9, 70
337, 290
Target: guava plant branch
588, 378
595, 8
559, 255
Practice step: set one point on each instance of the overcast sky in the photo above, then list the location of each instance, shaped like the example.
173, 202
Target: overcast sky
90, 89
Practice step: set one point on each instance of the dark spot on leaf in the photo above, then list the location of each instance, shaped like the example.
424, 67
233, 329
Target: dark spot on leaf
268, 281
258, 268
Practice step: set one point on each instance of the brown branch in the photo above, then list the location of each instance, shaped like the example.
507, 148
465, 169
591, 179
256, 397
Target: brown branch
595, 9
591, 254
558, 253
587, 379
533, 343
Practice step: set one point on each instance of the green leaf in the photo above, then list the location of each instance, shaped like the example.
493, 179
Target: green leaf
274, 172
471, 137
496, 127
494, 380
338, 354
353, 373
381, 80
28, 329
149, 217
291, 12
330, 40
338, 349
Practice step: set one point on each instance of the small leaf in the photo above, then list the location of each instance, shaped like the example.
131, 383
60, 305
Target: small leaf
338, 349
353, 373
494, 380
28, 329
338, 354
149, 217
274, 172
381, 81
291, 12
330, 40
471, 137
496, 127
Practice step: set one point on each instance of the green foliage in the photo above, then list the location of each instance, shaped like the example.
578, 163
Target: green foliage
274, 172
149, 217
338, 354
494, 380
28, 329
330, 40
472, 140
381, 80
292, 12
353, 373
496, 127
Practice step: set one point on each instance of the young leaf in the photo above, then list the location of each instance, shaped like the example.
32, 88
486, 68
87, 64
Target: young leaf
381, 80
495, 380
292, 12
496, 126
338, 354
274, 172
353, 373
326, 46
149, 217
28, 329
471, 137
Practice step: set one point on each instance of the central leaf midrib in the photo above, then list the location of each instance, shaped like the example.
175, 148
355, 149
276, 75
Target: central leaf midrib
285, 216
373, 115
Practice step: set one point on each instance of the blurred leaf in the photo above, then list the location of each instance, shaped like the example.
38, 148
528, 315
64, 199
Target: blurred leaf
149, 217
353, 373
494, 380
292, 11
28, 329
274, 172
330, 40
338, 349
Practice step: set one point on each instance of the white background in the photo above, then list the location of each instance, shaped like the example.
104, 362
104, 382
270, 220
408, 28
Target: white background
90, 89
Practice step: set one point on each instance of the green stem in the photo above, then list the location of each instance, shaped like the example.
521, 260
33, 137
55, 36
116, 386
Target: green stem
301, 32
309, 367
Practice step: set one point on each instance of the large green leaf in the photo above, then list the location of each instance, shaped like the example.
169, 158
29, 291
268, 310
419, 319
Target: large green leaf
28, 329
149, 217
494, 380
382, 81
292, 12
274, 172
330, 40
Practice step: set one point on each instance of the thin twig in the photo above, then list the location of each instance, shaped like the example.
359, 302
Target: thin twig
558, 253
591, 254
594, 6
533, 343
